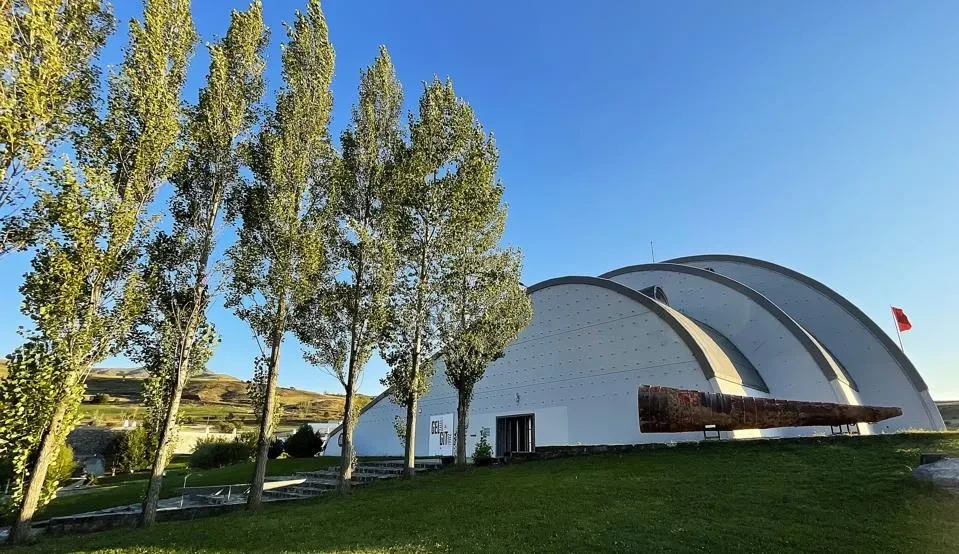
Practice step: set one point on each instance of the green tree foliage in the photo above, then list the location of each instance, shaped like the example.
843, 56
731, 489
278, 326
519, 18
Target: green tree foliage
304, 443
46, 85
256, 389
180, 264
280, 257
347, 318
428, 211
33, 373
132, 450
484, 303
84, 292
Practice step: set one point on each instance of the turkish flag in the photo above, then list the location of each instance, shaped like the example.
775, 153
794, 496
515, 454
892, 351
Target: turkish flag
901, 320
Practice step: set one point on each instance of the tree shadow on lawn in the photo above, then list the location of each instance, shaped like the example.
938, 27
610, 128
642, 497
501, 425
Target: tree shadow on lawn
848, 494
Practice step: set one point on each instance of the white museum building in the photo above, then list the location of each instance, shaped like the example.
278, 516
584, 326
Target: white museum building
713, 323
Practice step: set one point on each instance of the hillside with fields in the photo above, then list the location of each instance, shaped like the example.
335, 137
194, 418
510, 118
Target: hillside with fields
115, 394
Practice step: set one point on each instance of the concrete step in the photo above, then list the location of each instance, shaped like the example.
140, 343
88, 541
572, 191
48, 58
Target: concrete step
306, 491
285, 494
389, 470
420, 463
358, 476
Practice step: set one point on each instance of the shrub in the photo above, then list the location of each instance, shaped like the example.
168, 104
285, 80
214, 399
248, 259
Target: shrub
131, 450
100, 398
213, 453
249, 438
224, 427
304, 443
483, 449
62, 467
276, 448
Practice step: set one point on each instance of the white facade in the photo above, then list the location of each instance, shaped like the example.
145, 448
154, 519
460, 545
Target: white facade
577, 368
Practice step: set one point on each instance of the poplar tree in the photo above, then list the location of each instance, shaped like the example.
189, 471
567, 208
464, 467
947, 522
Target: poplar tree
484, 303
281, 255
427, 211
179, 340
487, 308
47, 83
84, 291
345, 322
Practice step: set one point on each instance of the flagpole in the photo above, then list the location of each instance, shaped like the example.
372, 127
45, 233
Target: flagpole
896, 323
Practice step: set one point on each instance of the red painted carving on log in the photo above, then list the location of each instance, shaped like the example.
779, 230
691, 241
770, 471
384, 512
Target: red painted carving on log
669, 410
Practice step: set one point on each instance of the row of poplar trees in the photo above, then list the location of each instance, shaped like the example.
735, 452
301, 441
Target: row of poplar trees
390, 242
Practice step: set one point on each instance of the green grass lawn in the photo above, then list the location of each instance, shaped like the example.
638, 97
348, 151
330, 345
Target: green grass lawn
129, 489
848, 494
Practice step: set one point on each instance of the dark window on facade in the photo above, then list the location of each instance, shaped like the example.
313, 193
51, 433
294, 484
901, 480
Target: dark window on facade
515, 434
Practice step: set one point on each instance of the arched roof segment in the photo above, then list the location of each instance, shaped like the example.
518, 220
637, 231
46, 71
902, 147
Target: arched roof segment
815, 350
697, 350
878, 334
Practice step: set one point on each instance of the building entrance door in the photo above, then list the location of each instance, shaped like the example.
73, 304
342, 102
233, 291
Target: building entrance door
515, 434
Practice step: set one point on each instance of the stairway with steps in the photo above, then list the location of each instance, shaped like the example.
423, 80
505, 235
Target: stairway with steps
319, 482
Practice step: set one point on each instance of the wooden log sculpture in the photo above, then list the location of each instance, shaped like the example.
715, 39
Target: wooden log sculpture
669, 410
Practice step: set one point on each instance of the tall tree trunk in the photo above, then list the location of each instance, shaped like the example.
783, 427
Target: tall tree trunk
149, 513
409, 452
49, 445
346, 452
255, 498
462, 408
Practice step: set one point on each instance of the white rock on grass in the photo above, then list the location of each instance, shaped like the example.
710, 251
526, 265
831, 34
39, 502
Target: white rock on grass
944, 473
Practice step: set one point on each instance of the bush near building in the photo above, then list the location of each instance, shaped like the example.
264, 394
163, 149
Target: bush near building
304, 443
213, 453
132, 451
277, 447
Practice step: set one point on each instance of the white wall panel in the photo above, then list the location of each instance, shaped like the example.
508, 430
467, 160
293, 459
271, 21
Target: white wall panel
577, 367
787, 367
880, 378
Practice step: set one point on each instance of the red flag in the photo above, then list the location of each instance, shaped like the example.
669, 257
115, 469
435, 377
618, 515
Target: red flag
901, 320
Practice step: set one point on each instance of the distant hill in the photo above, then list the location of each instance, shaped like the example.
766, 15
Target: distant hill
140, 373
208, 398
950, 412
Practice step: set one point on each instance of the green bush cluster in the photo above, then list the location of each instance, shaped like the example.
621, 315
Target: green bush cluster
213, 453
277, 447
62, 467
304, 443
483, 449
132, 451
100, 398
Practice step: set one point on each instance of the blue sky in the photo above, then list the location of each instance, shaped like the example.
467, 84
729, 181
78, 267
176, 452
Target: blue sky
821, 136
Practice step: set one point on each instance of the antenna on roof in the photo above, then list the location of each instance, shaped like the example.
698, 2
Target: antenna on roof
652, 253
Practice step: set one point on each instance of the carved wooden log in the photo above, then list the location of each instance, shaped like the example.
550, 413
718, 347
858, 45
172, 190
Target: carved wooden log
669, 410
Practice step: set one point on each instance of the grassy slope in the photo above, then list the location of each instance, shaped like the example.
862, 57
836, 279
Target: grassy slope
208, 397
831, 495
129, 489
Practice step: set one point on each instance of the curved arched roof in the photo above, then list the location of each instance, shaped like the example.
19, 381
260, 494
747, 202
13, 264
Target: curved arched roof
904, 363
807, 342
664, 314
699, 353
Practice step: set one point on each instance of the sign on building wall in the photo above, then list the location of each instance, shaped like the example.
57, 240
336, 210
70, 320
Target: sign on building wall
441, 434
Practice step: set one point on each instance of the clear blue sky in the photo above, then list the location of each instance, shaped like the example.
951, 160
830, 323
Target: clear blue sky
822, 136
